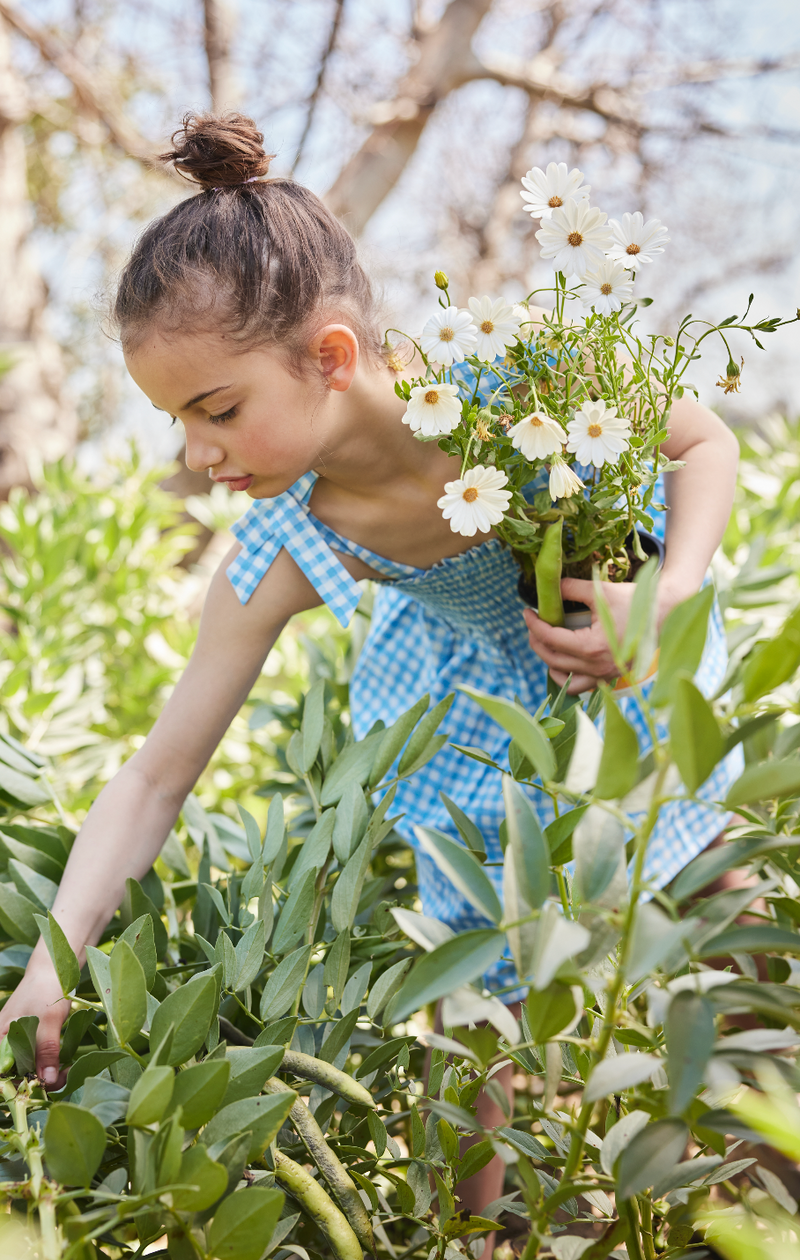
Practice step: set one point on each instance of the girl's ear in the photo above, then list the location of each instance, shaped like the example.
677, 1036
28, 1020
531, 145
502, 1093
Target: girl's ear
335, 351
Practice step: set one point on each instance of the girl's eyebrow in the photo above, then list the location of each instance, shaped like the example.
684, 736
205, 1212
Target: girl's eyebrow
199, 398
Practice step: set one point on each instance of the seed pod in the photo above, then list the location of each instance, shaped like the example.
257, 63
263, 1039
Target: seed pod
310, 1069
548, 576
329, 1164
320, 1207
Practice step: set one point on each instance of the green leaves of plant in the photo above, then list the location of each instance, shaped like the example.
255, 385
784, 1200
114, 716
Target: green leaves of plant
150, 1096
244, 1223
463, 871
527, 841
774, 662
683, 637
696, 742
765, 780
393, 740
282, 986
447, 967
295, 915
649, 1155
128, 992
66, 965
347, 889
550, 1010
521, 727
260, 1117
74, 1142
199, 1170
689, 1029
618, 769
190, 1011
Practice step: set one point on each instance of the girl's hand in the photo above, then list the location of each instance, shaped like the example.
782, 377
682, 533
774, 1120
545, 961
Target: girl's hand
585, 653
39, 993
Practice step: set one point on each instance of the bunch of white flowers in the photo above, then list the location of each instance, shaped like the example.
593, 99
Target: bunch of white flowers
543, 393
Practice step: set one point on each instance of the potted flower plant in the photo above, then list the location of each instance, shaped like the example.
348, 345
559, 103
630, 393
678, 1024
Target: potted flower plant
558, 421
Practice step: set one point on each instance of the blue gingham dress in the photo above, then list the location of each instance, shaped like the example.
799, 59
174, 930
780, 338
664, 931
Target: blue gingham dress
432, 630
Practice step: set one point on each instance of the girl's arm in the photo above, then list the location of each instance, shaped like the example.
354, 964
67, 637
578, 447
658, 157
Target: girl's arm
127, 825
700, 498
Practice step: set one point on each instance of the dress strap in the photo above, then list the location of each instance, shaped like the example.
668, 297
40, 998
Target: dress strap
285, 521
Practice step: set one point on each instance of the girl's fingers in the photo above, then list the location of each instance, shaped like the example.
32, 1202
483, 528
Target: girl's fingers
578, 683
579, 590
48, 1045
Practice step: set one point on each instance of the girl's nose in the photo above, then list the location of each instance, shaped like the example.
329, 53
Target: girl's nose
201, 454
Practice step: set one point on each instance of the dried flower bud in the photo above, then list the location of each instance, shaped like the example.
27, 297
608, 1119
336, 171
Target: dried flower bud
732, 379
441, 281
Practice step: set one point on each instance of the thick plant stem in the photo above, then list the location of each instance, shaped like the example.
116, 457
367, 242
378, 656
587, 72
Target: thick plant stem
647, 1229
633, 1241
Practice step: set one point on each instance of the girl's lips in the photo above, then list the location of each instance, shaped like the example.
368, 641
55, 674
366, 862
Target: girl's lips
237, 483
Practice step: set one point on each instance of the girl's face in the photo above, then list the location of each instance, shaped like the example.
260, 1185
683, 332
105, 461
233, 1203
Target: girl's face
246, 418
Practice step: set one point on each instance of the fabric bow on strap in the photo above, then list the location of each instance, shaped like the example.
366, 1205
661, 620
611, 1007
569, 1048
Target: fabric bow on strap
286, 522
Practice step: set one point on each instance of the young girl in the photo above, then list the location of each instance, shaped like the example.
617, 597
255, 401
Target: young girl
244, 313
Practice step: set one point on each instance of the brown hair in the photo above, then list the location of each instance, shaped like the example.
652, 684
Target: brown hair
261, 259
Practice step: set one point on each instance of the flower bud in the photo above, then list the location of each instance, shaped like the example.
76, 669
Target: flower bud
441, 281
669, 341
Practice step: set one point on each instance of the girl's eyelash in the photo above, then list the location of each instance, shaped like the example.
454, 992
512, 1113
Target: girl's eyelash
226, 415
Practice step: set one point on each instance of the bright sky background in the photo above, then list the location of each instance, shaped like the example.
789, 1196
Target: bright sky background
726, 203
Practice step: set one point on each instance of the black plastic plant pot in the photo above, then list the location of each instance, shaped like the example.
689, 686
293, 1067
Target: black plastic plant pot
577, 615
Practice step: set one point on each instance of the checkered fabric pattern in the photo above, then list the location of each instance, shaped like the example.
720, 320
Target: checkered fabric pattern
433, 630
286, 522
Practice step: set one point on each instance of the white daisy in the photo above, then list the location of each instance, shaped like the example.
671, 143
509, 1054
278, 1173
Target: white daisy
475, 502
434, 409
449, 336
563, 481
636, 242
575, 237
537, 435
598, 434
547, 190
608, 287
522, 312
497, 326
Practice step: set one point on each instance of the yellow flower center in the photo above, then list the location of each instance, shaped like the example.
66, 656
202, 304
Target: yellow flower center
605, 288
633, 248
536, 422
555, 201
595, 430
446, 334
575, 239
487, 326
432, 397
470, 494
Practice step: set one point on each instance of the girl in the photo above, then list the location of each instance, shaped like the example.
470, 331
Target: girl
244, 313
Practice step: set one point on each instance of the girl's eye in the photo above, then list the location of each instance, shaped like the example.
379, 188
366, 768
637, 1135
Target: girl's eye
226, 415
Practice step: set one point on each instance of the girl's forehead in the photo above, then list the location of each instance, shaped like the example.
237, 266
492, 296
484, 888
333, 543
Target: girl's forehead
178, 372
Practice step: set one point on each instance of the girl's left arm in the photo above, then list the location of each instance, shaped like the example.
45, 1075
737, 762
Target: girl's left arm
700, 497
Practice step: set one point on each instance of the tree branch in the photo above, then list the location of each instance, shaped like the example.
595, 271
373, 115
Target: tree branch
338, 14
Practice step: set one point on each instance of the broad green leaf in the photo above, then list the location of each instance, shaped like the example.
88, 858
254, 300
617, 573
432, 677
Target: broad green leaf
599, 849
683, 637
642, 611
91, 1064
695, 738
135, 903
524, 1142
777, 1123
689, 1029
619, 1136
456, 962
758, 939
315, 848
100, 971
261, 1117
337, 965
251, 1066
462, 870
74, 1141
351, 766
649, 1155
710, 864
315, 992
423, 736
393, 740
559, 835
773, 663
250, 954
352, 817
764, 781
208, 1179
355, 988
337, 1037
18, 915
128, 992
199, 1090
66, 965
276, 830
557, 940
385, 987
550, 1010
519, 925
526, 839
311, 727
295, 915
105, 1099
22, 1041
470, 834
282, 987
140, 936
347, 889
618, 769
620, 1072
654, 937
38, 888
225, 955
190, 1009
21, 787
607, 621
521, 727
150, 1096
253, 834
244, 1223
385, 1053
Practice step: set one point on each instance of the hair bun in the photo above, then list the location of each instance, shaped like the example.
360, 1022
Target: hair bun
218, 151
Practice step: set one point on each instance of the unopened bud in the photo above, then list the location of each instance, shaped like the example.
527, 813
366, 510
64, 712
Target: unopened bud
440, 280
669, 341
732, 369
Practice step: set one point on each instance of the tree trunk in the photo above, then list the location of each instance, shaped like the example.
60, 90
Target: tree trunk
219, 25
37, 422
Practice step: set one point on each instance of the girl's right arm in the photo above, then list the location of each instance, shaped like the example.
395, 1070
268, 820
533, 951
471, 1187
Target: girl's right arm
127, 825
